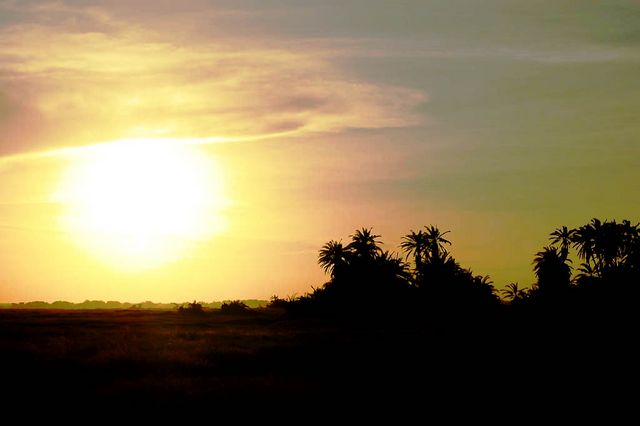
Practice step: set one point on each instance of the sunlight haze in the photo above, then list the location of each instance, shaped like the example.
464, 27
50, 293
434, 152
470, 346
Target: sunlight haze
140, 203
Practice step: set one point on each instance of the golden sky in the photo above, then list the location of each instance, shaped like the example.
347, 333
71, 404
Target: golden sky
205, 150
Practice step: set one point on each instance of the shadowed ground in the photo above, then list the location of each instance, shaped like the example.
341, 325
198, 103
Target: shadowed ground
141, 358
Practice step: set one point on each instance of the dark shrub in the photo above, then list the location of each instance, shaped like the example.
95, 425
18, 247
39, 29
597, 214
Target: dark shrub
234, 307
194, 308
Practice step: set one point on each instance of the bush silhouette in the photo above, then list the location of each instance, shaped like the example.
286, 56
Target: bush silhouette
234, 307
191, 309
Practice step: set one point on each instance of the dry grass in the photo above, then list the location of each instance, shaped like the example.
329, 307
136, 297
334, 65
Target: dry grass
168, 360
150, 355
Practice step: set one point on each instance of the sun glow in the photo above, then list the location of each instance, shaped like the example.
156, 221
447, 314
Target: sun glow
137, 204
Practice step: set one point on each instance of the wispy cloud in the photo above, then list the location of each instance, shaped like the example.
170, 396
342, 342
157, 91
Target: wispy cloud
73, 76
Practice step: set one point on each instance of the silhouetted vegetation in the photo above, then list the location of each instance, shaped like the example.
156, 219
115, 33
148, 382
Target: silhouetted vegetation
428, 279
513, 293
193, 308
608, 275
364, 277
234, 307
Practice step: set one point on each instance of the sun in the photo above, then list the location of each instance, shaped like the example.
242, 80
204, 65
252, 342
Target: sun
138, 204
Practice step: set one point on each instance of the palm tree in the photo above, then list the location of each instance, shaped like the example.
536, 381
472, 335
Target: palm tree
333, 256
437, 269
564, 237
632, 249
393, 266
435, 241
585, 271
482, 288
512, 292
484, 280
610, 242
364, 244
583, 239
607, 245
552, 270
416, 244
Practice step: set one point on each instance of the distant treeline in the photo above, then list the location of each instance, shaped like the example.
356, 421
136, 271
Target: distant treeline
100, 304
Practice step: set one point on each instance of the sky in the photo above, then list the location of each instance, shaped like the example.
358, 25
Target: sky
263, 129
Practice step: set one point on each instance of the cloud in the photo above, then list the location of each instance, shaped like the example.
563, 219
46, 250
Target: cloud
75, 76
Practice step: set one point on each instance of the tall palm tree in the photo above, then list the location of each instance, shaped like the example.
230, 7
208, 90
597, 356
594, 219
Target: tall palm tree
332, 257
435, 241
562, 236
416, 244
610, 241
552, 269
584, 240
365, 244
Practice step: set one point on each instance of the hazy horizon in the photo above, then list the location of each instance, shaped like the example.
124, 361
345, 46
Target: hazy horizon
207, 150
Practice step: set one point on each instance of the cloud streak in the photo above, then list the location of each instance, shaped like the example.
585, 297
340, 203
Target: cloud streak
75, 76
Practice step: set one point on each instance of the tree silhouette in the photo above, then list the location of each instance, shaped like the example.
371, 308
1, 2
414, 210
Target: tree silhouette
432, 260
584, 240
364, 244
394, 267
436, 242
632, 252
607, 246
416, 244
585, 272
564, 237
333, 257
552, 270
513, 293
362, 272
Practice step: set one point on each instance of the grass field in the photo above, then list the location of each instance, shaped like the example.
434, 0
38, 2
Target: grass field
155, 356
166, 359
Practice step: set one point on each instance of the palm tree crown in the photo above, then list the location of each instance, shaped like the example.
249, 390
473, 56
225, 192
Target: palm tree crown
436, 241
552, 269
512, 292
332, 256
562, 236
416, 244
365, 244
605, 246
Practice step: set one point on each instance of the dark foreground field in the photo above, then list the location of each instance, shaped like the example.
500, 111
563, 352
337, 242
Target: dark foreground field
165, 359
